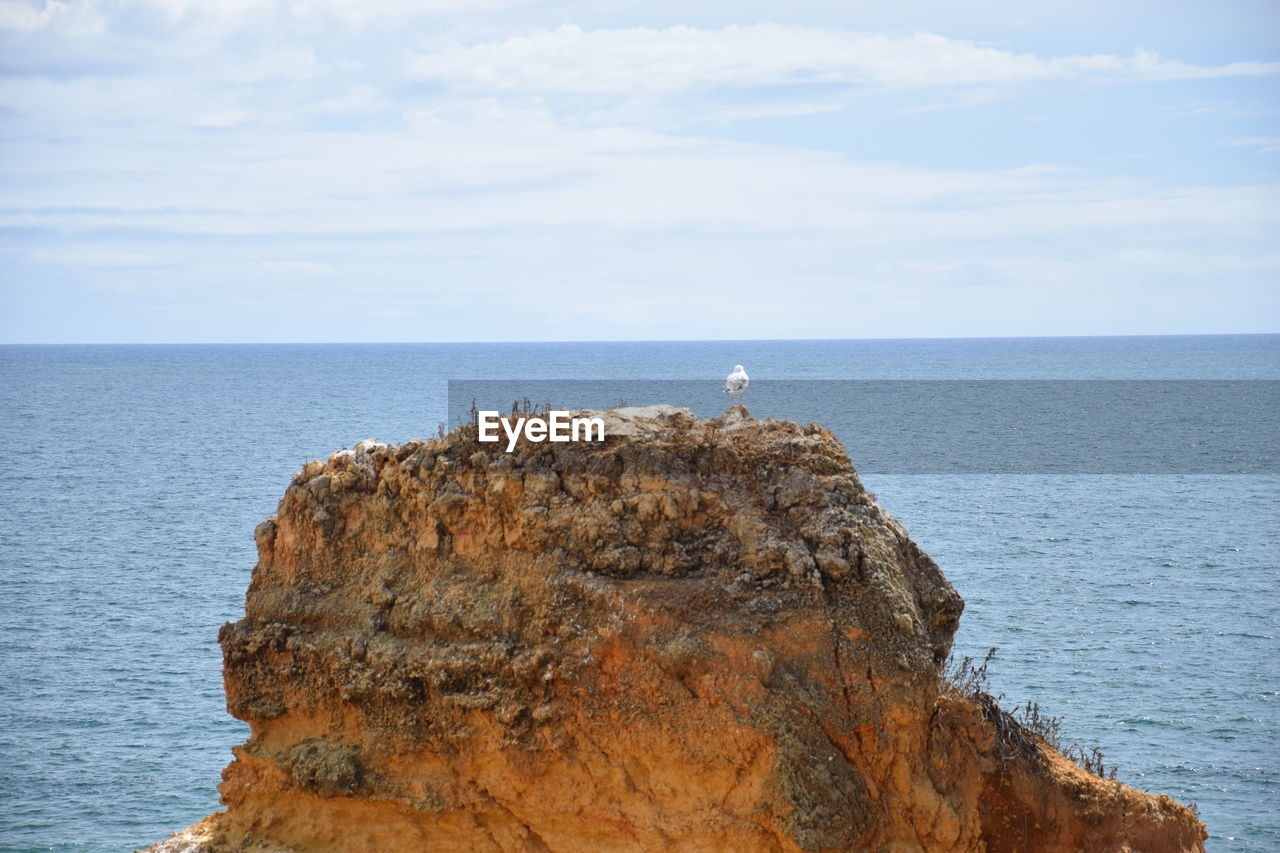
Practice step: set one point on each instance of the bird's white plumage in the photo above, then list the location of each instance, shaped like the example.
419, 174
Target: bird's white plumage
736, 382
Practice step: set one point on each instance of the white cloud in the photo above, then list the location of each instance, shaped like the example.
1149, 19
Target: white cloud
80, 17
957, 99
1263, 144
571, 59
1228, 109
231, 153
456, 170
74, 18
360, 99
222, 118
769, 109
297, 63
302, 268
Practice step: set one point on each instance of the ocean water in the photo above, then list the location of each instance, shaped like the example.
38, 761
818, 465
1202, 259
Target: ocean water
1141, 608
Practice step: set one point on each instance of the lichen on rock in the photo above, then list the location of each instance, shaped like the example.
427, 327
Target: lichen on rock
695, 635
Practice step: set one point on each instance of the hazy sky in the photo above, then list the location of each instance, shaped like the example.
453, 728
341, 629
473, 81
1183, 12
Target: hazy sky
333, 170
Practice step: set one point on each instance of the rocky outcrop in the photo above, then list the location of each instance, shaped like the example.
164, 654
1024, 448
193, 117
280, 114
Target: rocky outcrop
694, 636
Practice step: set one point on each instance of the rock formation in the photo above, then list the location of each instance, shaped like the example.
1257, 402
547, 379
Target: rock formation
694, 636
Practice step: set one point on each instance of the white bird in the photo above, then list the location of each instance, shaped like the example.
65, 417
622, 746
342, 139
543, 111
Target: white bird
737, 382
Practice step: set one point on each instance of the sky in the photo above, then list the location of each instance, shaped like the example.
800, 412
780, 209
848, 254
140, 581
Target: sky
180, 171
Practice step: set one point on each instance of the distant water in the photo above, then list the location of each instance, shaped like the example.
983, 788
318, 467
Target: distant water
1143, 609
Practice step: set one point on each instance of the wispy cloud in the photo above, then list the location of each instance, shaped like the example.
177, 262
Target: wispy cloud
81, 17
1227, 109
76, 18
1261, 144
640, 60
291, 159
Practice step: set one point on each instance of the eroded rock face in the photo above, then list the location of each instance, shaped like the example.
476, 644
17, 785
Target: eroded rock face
694, 636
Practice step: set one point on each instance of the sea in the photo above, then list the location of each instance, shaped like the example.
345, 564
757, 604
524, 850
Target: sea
1142, 608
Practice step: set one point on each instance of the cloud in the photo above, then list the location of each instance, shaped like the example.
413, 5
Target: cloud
957, 99
71, 17
278, 154
282, 63
1227, 108
769, 109
358, 100
1263, 144
222, 118
297, 268
456, 170
1146, 64
641, 60
80, 17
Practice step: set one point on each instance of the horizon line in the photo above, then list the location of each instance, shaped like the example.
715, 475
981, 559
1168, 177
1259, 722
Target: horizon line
632, 340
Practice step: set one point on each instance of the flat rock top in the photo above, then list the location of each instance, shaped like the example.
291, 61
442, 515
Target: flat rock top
635, 421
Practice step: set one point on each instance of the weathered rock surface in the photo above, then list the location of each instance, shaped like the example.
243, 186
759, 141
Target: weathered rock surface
695, 636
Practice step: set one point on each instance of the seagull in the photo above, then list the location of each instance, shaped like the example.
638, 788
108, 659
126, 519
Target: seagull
737, 382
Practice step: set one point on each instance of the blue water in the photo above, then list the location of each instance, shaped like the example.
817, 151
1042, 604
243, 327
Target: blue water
1142, 609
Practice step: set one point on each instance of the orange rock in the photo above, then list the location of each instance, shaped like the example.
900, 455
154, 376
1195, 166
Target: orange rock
696, 636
